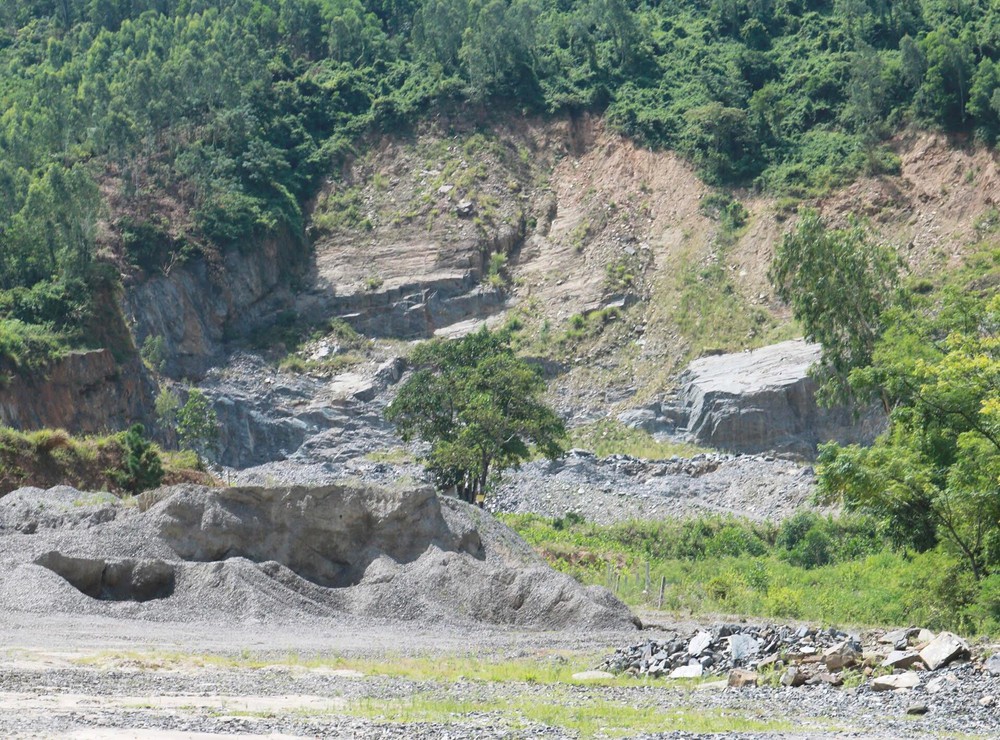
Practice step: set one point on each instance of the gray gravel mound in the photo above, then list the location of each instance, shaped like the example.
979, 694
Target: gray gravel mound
277, 554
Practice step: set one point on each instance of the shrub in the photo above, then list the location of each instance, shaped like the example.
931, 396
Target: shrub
141, 467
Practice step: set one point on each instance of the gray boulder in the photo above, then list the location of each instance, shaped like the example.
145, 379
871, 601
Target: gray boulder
764, 400
943, 649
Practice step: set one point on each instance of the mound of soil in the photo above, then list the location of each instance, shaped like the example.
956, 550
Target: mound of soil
191, 553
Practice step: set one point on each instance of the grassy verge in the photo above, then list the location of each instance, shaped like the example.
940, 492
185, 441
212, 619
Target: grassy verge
611, 437
574, 708
50, 457
811, 568
585, 717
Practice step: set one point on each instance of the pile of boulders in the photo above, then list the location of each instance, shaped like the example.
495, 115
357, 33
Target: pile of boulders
800, 656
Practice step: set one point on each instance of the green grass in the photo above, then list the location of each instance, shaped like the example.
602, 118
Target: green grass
330, 365
28, 346
561, 705
545, 667
49, 457
611, 437
392, 456
831, 573
584, 716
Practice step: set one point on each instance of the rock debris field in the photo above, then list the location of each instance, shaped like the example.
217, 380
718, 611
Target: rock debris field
297, 612
620, 487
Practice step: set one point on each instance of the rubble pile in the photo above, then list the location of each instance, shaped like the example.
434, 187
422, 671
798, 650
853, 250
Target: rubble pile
800, 655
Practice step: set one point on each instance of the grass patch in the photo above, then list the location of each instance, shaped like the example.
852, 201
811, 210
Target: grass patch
330, 365
50, 457
814, 568
392, 456
611, 437
341, 210
548, 667
585, 716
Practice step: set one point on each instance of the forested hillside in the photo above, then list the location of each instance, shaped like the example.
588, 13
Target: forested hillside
137, 134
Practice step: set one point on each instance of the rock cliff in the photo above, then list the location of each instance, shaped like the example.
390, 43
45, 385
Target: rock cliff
198, 306
86, 391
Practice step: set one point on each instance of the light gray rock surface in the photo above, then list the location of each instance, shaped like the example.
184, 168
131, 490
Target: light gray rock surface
764, 401
907, 680
943, 649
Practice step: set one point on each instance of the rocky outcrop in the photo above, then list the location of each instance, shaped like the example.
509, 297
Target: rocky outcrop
416, 300
412, 310
84, 391
764, 401
198, 306
190, 553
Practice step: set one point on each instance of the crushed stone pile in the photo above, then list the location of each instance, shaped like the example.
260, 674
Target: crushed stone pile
800, 656
190, 553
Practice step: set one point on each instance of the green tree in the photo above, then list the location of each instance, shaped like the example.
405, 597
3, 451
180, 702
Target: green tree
479, 407
935, 474
839, 282
141, 469
197, 424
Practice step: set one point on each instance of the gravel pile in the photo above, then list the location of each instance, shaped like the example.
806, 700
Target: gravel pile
233, 555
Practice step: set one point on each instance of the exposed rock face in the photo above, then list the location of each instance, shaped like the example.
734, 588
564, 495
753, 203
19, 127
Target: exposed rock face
763, 401
233, 554
266, 415
194, 310
84, 391
429, 284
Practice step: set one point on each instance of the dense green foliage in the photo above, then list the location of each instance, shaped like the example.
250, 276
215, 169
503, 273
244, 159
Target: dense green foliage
479, 407
935, 474
934, 359
142, 132
197, 425
141, 467
842, 571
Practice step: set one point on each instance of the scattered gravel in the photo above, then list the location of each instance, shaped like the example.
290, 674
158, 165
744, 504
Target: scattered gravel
619, 487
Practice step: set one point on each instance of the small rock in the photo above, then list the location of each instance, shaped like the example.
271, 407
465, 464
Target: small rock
916, 709
908, 680
738, 678
891, 638
742, 647
987, 701
687, 671
834, 679
992, 665
936, 684
840, 656
708, 685
699, 643
793, 677
901, 659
